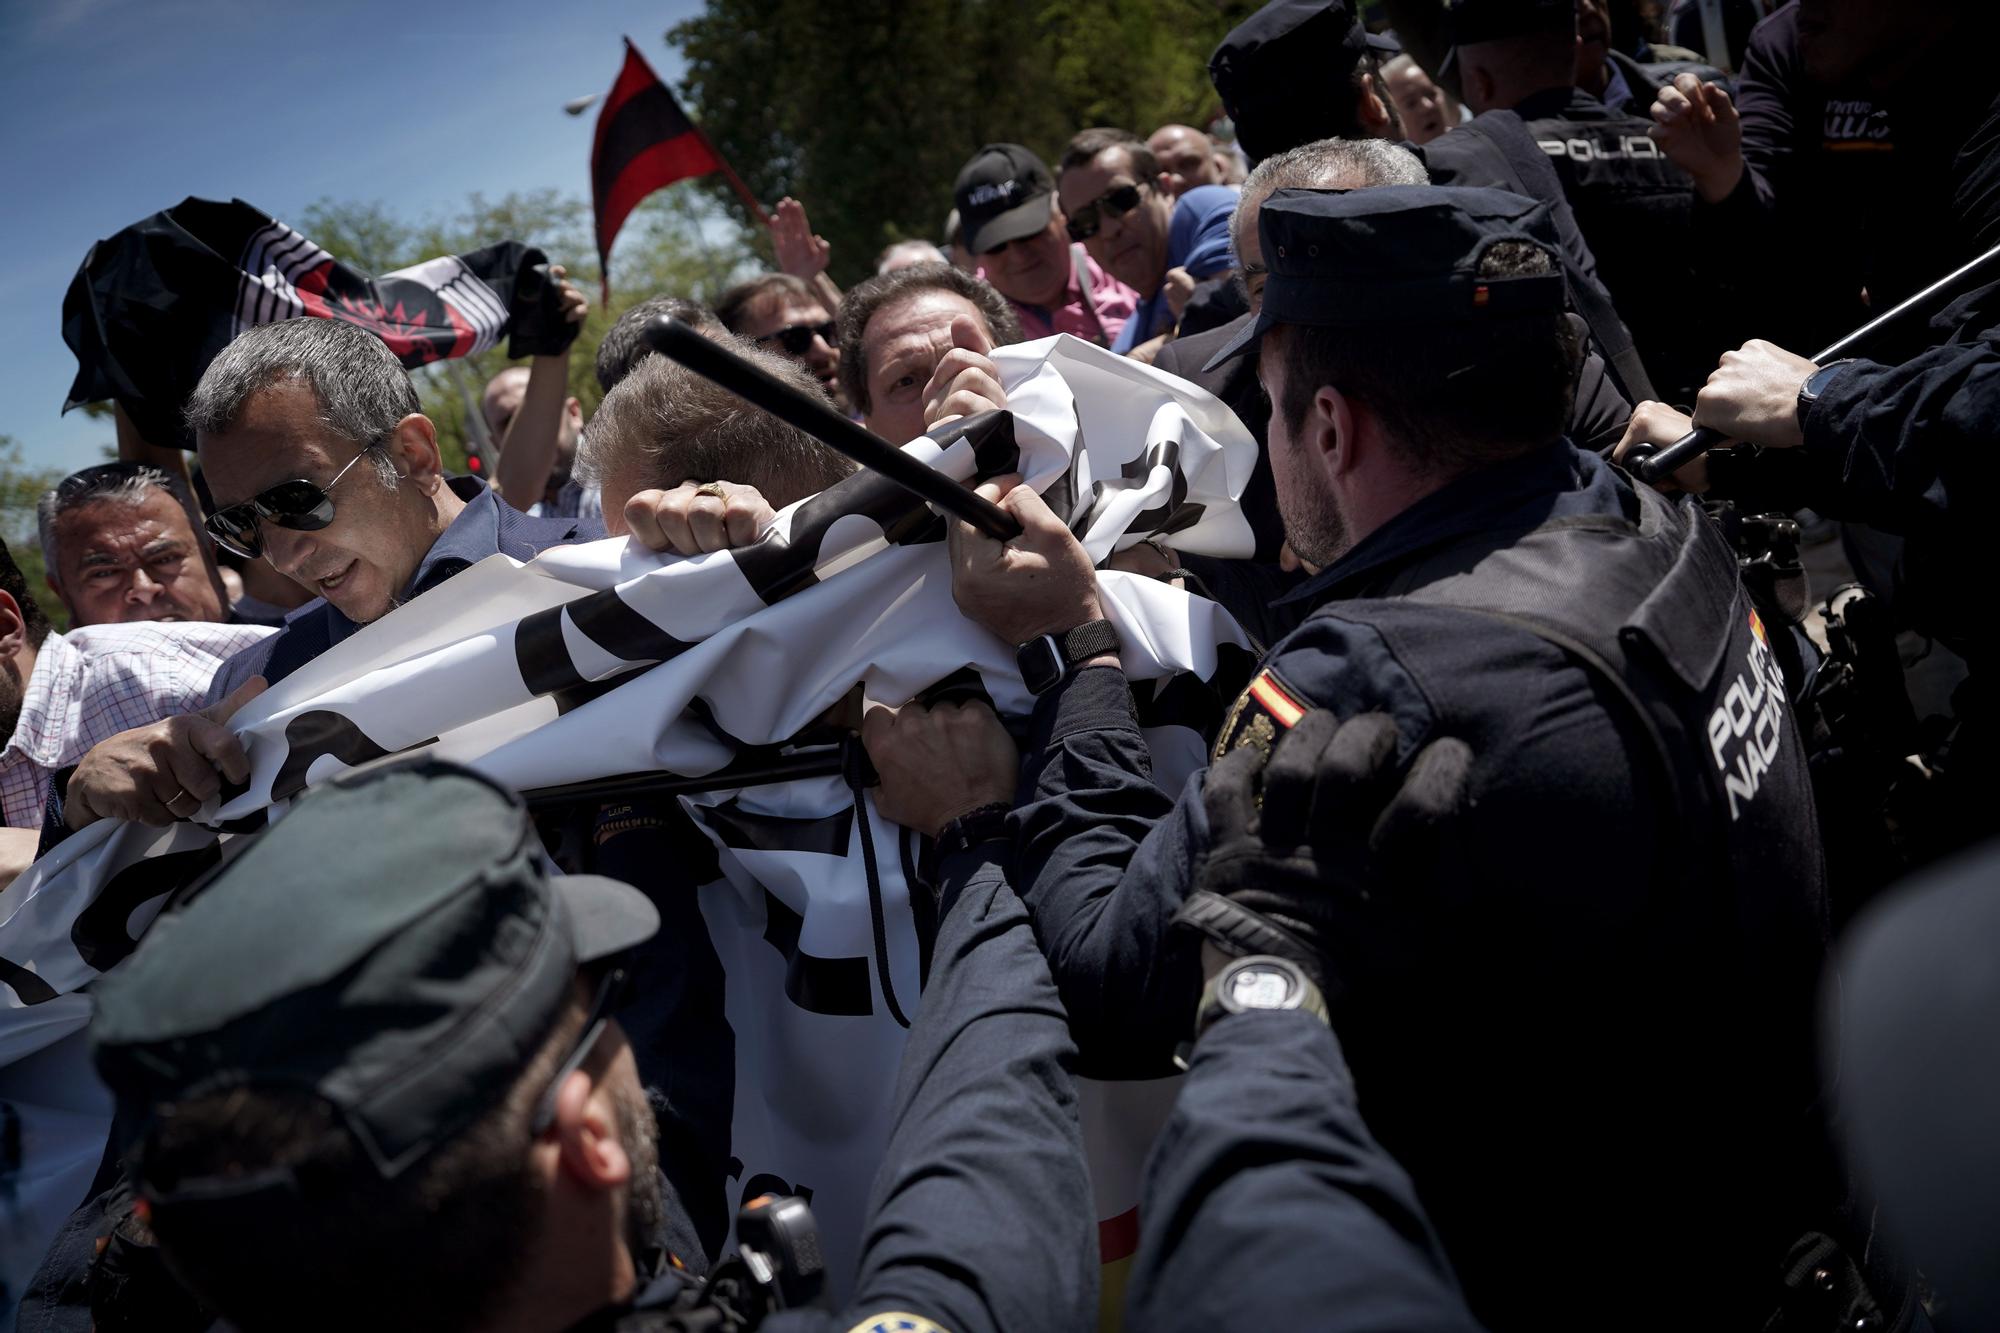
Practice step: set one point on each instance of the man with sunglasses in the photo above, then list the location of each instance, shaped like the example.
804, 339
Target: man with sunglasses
1120, 207
425, 1113
319, 461
1008, 219
781, 313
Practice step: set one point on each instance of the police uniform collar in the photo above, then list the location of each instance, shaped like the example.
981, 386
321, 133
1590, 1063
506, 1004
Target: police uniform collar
1552, 102
1554, 481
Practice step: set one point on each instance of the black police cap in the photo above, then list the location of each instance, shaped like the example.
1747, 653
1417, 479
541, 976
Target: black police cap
392, 944
1395, 254
1279, 71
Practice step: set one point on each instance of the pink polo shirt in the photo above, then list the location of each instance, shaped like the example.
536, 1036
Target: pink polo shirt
1112, 300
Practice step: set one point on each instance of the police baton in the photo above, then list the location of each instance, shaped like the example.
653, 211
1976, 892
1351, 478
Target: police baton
680, 341
1652, 465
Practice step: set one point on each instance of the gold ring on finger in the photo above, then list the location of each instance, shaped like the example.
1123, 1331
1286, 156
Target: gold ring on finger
714, 488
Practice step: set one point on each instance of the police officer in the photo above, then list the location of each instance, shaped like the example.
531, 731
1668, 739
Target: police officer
1632, 205
1903, 448
1266, 1201
1272, 73
1580, 1002
1265, 1152
418, 1110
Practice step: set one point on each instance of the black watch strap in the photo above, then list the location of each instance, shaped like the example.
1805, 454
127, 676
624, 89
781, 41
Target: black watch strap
1045, 661
1815, 385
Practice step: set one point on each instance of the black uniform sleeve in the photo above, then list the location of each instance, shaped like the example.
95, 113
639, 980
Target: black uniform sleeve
1903, 438
982, 1216
1102, 859
1598, 417
1266, 1162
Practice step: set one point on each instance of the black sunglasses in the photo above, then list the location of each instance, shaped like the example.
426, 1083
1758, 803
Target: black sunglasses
797, 339
298, 505
610, 994
1115, 202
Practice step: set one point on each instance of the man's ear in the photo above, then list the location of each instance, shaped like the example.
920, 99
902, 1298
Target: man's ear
1164, 183
586, 1130
1369, 109
413, 444
13, 626
1336, 426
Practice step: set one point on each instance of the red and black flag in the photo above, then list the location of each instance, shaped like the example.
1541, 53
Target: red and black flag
645, 142
152, 305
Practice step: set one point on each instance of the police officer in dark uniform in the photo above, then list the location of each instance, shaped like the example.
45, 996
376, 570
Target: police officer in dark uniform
1273, 72
1579, 998
1266, 1152
1905, 448
418, 1109
1632, 205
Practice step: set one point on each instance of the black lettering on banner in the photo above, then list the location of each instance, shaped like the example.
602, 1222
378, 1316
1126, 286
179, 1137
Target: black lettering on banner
28, 987
751, 831
542, 656
1174, 513
834, 986
99, 931
778, 568
324, 732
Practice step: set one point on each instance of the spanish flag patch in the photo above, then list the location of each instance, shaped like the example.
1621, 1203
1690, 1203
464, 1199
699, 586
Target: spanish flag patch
1259, 714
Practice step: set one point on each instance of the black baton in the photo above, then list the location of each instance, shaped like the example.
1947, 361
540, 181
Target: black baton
680, 341
1649, 465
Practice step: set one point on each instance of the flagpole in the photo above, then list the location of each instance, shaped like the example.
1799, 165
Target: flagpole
679, 341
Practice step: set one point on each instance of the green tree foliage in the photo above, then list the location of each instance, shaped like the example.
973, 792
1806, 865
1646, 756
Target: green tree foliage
865, 110
21, 487
676, 243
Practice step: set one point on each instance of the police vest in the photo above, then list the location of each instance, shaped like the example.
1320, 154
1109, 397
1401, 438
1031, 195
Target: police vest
1636, 209
1656, 612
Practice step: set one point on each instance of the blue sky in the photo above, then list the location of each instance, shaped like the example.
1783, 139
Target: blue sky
114, 109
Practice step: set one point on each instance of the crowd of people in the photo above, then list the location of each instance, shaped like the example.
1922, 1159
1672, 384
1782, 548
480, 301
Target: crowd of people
1534, 952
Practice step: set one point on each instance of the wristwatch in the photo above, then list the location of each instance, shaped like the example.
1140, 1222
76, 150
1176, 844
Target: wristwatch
1260, 981
1045, 661
1815, 385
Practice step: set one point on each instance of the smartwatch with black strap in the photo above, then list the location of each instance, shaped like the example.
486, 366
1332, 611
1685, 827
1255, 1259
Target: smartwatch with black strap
1045, 661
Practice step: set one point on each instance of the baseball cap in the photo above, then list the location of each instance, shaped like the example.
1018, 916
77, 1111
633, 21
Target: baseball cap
1396, 254
1278, 73
1003, 194
392, 945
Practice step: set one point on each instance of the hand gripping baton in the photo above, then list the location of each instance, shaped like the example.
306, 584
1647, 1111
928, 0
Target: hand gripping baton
1652, 465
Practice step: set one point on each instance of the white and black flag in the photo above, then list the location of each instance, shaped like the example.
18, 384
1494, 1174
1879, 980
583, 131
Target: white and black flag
605, 659
152, 305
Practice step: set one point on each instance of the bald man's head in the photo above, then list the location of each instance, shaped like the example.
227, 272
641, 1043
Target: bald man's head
1187, 156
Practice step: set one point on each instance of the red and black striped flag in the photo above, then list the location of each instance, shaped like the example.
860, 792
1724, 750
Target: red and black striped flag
644, 142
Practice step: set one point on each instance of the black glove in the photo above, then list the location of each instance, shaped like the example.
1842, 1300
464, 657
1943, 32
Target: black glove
1294, 858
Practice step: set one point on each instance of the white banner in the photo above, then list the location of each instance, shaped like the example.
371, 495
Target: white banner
511, 668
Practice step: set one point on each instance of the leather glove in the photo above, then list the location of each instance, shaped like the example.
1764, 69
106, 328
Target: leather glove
1297, 845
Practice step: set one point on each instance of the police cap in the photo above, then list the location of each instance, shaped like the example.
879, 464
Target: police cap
392, 945
1395, 254
1274, 71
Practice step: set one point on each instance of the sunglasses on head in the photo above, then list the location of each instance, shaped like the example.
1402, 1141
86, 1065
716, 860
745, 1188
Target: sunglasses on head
1115, 202
298, 505
797, 339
